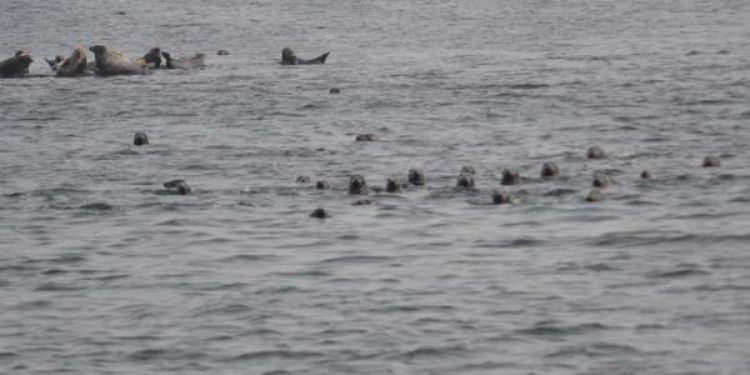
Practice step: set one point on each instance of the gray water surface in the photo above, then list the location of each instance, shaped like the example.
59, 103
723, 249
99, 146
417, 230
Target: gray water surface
102, 272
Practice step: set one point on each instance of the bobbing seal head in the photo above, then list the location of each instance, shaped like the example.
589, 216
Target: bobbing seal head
358, 185
416, 177
510, 177
465, 180
153, 57
288, 57
180, 185
140, 139
393, 185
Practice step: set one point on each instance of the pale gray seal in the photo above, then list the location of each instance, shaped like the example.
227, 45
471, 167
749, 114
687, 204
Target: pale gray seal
595, 195
73, 66
288, 57
595, 152
109, 63
358, 185
16, 66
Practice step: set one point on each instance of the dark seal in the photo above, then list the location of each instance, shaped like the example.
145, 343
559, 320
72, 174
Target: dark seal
711, 161
322, 185
16, 66
140, 139
550, 170
320, 213
288, 57
416, 177
465, 180
510, 177
393, 185
180, 186
500, 197
601, 181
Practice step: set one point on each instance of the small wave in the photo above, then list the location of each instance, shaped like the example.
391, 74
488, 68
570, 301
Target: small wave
276, 354
546, 329
433, 352
687, 272
55, 287
357, 259
146, 354
594, 350
100, 206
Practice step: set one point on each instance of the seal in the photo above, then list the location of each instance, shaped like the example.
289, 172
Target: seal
416, 177
73, 66
367, 137
288, 57
465, 180
468, 170
510, 177
152, 58
334, 90
322, 185
302, 179
180, 186
595, 152
393, 185
550, 170
595, 195
186, 63
645, 175
222, 52
140, 139
711, 161
16, 66
320, 213
110, 63
500, 197
601, 181
358, 185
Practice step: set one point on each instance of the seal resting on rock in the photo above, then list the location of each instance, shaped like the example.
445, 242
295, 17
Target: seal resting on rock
358, 185
595, 152
393, 185
550, 170
140, 139
416, 177
152, 58
288, 57
185, 63
73, 66
180, 186
711, 161
16, 66
510, 177
109, 63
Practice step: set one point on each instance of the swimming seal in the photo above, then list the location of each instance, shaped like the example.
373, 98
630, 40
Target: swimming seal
368, 137
711, 161
510, 177
180, 186
320, 213
302, 179
358, 185
140, 139
550, 170
393, 185
645, 175
465, 180
288, 57
110, 63
322, 185
500, 197
16, 66
601, 181
595, 152
416, 177
595, 195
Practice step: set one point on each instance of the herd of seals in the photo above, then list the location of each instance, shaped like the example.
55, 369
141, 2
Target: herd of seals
108, 62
